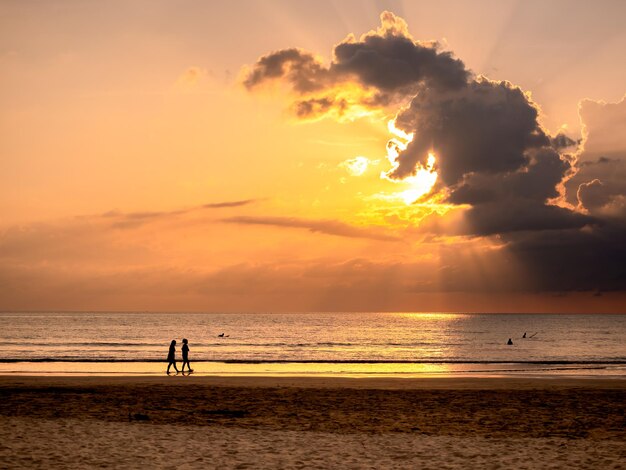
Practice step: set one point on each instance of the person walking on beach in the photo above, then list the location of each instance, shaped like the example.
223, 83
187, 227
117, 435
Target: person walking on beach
171, 357
185, 350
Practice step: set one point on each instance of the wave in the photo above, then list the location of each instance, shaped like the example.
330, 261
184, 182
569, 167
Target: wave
319, 361
226, 342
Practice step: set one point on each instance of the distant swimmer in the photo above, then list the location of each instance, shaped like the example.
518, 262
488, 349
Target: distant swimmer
524, 335
223, 336
509, 342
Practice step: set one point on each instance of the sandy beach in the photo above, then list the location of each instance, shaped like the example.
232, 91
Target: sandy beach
291, 422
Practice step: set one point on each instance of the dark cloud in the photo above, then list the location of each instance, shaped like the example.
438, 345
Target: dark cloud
516, 201
387, 61
314, 107
485, 127
534, 182
591, 259
391, 61
562, 141
299, 68
329, 227
492, 154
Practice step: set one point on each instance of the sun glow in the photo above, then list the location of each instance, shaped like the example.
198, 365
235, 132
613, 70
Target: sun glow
421, 183
425, 177
391, 125
356, 166
347, 102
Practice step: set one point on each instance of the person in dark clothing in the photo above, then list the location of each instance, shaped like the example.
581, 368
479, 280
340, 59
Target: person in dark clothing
185, 350
171, 357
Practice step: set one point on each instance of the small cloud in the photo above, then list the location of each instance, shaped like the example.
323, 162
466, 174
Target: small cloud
191, 78
562, 141
219, 205
328, 227
136, 219
357, 166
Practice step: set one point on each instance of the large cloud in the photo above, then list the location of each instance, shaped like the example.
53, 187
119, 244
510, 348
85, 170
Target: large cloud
560, 215
493, 154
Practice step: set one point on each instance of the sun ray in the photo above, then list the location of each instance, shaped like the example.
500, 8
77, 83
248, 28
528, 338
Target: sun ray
425, 177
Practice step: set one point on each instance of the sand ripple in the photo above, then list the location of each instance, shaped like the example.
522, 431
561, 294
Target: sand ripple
68, 443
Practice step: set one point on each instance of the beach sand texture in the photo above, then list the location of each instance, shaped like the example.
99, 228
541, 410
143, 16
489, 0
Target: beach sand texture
57, 422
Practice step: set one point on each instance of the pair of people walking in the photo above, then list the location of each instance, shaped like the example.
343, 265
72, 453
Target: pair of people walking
171, 357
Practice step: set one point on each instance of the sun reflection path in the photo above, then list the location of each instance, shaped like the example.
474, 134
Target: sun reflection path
425, 177
440, 316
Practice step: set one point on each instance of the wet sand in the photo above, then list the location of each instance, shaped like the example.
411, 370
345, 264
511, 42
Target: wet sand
291, 422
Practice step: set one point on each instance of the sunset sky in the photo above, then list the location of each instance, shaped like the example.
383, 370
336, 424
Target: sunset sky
313, 156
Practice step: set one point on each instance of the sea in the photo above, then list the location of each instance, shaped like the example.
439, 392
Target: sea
369, 344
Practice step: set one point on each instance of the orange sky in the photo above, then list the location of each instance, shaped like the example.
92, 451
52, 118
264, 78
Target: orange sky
137, 172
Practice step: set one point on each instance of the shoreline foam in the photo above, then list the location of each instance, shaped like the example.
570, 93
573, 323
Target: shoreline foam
330, 369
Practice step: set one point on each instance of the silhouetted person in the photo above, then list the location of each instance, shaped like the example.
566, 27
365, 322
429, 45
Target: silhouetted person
510, 342
171, 357
185, 350
524, 336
